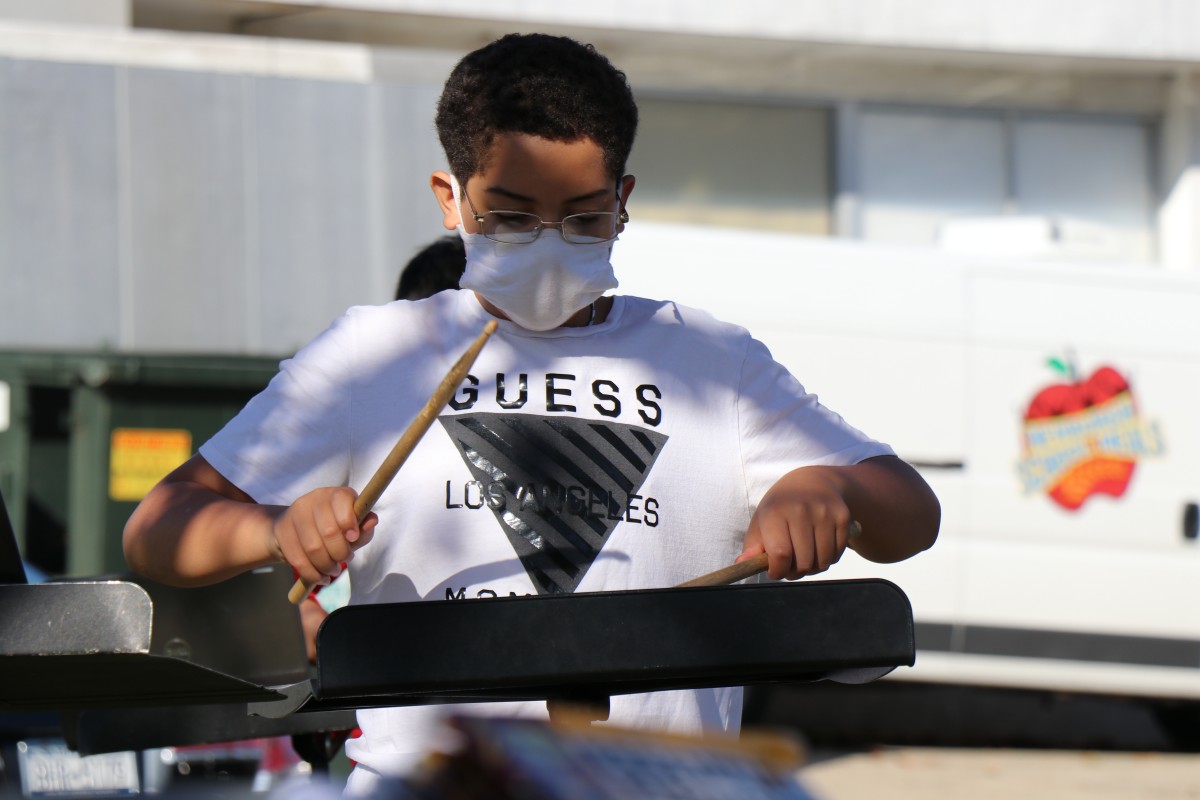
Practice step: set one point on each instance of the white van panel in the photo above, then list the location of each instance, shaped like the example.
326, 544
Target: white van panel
759, 279
1104, 307
941, 355
875, 383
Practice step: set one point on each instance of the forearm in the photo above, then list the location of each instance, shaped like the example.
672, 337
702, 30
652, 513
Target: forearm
897, 510
186, 534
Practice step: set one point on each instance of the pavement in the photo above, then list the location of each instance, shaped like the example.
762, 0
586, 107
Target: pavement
912, 773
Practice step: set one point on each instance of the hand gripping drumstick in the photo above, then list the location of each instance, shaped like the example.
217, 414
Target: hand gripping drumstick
586, 713
408, 441
747, 568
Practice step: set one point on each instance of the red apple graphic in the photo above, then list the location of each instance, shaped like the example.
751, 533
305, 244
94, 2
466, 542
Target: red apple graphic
1097, 472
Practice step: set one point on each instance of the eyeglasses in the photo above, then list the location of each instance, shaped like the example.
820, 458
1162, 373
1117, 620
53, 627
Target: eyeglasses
518, 227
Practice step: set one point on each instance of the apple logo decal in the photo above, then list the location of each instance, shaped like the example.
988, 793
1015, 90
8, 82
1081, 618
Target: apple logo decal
1084, 437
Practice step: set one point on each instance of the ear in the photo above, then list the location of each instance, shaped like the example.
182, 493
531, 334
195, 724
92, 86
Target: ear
439, 182
625, 189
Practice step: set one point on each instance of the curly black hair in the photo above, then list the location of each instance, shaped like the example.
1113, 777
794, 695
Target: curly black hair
436, 266
547, 86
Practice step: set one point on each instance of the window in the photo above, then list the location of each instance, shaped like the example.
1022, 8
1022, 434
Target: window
739, 165
917, 169
1040, 185
1093, 177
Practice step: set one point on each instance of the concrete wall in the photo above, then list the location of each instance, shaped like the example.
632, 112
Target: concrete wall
115, 13
145, 208
1179, 217
1143, 30
177, 191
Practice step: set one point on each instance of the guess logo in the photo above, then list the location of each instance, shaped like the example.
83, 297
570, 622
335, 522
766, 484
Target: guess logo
557, 486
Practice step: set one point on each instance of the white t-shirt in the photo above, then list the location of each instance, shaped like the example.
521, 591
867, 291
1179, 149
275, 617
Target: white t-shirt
624, 455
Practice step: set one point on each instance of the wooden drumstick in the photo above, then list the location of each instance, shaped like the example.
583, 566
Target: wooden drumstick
745, 569
408, 441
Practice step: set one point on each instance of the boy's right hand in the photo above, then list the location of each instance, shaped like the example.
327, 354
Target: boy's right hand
319, 531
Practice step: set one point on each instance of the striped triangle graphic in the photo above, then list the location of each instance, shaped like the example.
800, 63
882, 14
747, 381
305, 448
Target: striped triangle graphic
557, 485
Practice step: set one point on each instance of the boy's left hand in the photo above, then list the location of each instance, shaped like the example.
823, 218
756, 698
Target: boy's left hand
802, 524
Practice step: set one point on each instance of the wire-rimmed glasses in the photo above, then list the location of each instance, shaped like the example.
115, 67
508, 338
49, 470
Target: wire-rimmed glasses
520, 227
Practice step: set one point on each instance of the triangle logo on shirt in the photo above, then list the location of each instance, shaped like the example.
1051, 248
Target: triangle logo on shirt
556, 485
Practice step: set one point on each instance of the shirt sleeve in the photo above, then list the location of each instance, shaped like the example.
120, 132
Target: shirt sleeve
782, 426
294, 436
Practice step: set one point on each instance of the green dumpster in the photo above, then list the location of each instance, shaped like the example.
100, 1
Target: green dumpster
84, 435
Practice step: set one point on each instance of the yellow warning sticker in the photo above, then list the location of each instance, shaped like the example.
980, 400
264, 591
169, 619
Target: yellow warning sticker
140, 457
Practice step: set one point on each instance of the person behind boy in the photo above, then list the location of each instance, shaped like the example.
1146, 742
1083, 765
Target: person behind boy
600, 442
434, 268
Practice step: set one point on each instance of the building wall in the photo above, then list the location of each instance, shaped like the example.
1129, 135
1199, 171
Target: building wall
114, 13
155, 209
190, 191
1146, 30
1179, 214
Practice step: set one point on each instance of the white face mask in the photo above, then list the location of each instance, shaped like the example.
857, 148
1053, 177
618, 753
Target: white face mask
539, 285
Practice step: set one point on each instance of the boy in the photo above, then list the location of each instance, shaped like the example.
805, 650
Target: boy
600, 442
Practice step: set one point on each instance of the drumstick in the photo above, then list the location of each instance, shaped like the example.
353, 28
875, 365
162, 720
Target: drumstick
745, 569
408, 441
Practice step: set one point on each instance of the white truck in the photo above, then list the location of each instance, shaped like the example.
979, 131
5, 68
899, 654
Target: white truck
1052, 406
